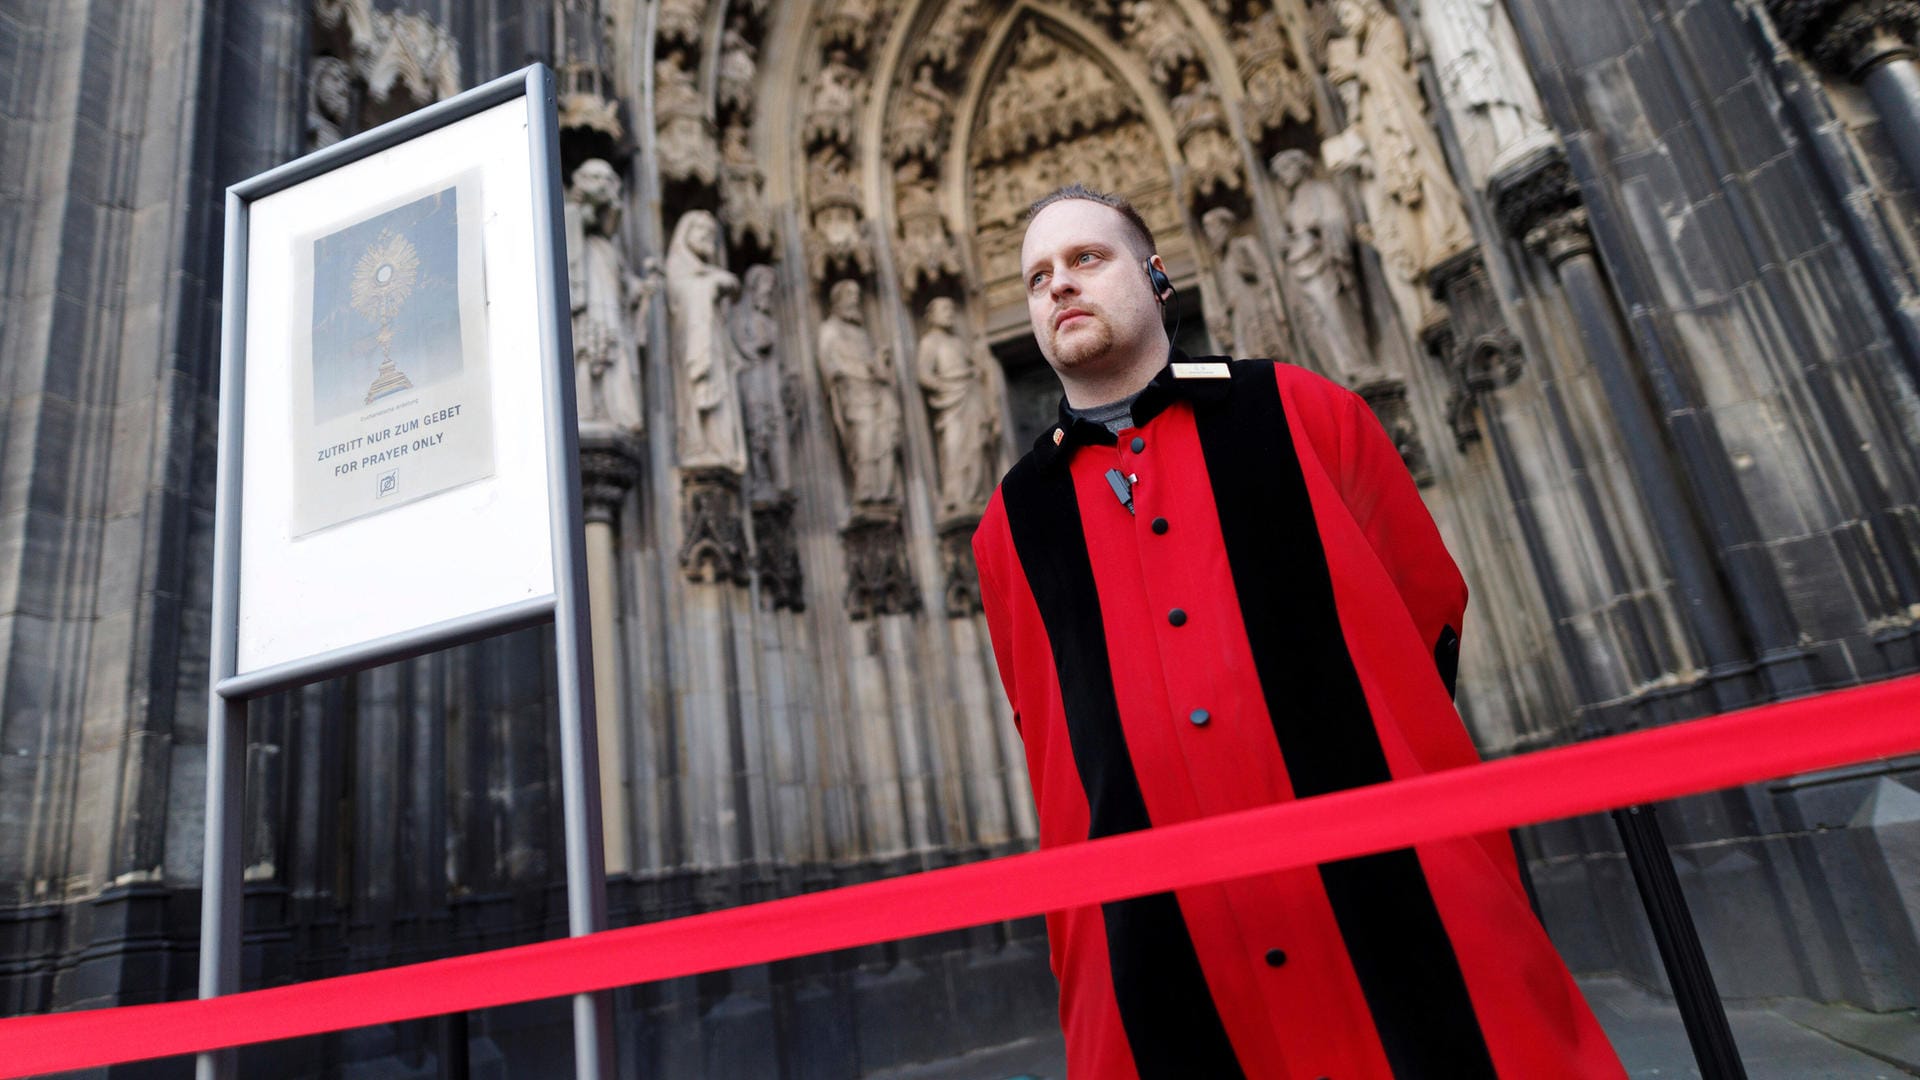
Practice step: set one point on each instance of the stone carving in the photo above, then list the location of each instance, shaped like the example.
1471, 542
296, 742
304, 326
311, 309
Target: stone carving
394, 50
836, 97
1161, 36
965, 403
946, 41
1213, 162
1480, 66
713, 545
608, 301
1048, 94
743, 202
1537, 201
685, 142
852, 23
956, 559
879, 581
1254, 325
1845, 36
1415, 211
836, 241
926, 252
1388, 400
754, 330
1474, 346
861, 393
708, 405
330, 111
1319, 259
917, 119
1279, 88
607, 472
738, 67
681, 22
776, 556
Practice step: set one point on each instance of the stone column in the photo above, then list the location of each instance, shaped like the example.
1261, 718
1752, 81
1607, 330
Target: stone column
609, 468
1870, 42
1538, 200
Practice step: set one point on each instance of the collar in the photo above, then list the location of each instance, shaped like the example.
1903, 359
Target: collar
1182, 379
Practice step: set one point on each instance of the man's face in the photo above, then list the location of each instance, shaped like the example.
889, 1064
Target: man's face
1088, 296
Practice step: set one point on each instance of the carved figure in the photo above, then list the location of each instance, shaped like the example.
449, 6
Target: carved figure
836, 95
685, 140
852, 23
329, 102
681, 21
1159, 35
965, 405
1416, 212
860, 390
1254, 324
743, 200
1319, 259
608, 301
1477, 58
754, 331
396, 50
1279, 89
952, 30
708, 406
916, 119
738, 67
1201, 122
836, 240
925, 250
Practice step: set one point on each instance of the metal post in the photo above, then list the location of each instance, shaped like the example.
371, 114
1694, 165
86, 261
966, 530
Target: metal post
1701, 1010
224, 854
220, 885
593, 1047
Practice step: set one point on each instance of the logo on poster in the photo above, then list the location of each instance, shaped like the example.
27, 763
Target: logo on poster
389, 483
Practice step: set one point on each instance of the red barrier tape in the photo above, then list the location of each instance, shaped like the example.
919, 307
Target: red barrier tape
1839, 728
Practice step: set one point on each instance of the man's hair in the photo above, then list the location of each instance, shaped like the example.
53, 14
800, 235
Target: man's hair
1117, 203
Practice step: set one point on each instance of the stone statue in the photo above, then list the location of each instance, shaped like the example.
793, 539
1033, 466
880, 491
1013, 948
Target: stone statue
917, 116
329, 102
860, 389
738, 68
1478, 61
754, 330
708, 407
836, 96
1415, 210
1161, 36
1254, 326
1319, 259
965, 405
684, 135
608, 299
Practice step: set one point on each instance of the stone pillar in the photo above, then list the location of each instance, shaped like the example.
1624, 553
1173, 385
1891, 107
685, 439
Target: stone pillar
1538, 200
1870, 42
609, 468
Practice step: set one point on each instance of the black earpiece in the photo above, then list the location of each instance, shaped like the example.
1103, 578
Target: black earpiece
1160, 283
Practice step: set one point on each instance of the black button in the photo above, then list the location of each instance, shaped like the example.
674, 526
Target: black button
1160, 526
1177, 617
1199, 717
1276, 957
1138, 444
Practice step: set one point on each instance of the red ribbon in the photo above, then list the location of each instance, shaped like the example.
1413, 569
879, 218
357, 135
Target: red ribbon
1839, 728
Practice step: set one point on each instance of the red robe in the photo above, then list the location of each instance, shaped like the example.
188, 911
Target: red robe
1275, 616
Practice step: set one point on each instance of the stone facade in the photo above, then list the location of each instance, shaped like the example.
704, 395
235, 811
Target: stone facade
1657, 376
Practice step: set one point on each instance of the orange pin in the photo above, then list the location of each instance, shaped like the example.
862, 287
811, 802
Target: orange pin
1059, 435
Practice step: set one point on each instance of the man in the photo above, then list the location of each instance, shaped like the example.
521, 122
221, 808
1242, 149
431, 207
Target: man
1212, 586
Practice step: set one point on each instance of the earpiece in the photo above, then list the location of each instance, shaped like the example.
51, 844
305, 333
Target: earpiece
1160, 283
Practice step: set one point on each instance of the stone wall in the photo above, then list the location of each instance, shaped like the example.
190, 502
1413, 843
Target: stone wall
1632, 285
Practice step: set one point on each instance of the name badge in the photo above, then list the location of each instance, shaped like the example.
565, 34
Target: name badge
1201, 371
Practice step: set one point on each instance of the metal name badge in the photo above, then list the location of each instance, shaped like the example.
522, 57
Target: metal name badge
1213, 370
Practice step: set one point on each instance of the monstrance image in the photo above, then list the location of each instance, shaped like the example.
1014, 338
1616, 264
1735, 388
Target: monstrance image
382, 281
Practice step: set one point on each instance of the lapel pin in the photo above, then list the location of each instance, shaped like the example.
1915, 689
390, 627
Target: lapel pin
1058, 436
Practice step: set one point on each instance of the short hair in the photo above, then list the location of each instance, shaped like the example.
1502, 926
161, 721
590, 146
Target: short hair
1117, 203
